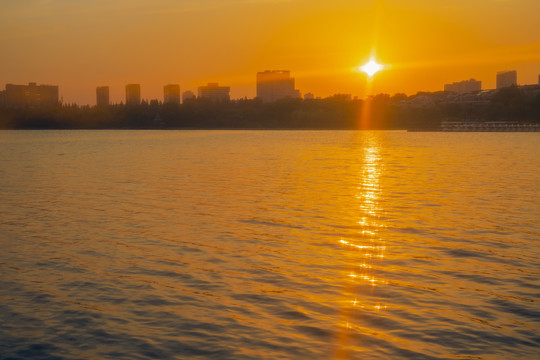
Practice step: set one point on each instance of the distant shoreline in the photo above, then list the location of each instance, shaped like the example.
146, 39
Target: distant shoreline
509, 109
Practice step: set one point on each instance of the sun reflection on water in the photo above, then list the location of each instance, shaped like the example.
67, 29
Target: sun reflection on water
366, 249
367, 244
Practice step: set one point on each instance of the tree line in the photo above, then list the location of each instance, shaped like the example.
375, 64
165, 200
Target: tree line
424, 110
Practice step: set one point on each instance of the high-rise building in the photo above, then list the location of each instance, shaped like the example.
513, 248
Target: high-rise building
214, 92
465, 86
31, 95
133, 94
538, 79
187, 95
506, 79
273, 85
171, 94
102, 96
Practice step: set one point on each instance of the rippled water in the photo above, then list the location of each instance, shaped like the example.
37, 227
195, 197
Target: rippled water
269, 245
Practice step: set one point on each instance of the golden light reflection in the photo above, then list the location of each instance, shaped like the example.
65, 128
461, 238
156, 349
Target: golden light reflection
365, 245
371, 246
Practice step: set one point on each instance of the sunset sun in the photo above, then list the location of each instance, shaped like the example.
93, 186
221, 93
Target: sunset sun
371, 67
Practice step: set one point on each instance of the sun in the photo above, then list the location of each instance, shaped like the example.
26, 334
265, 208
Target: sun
371, 68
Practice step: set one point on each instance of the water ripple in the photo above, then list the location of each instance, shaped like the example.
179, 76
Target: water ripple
269, 245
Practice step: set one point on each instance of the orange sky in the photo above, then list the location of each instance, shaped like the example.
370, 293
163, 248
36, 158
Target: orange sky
81, 44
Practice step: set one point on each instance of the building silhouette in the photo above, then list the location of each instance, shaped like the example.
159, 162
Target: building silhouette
188, 95
214, 92
102, 96
463, 87
30, 95
133, 94
506, 79
171, 94
273, 85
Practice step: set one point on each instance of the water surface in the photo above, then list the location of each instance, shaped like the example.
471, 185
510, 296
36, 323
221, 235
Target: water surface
269, 245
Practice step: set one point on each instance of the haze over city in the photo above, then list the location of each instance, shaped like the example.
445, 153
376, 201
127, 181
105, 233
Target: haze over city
424, 44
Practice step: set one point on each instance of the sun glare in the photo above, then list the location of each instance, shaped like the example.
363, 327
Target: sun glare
371, 68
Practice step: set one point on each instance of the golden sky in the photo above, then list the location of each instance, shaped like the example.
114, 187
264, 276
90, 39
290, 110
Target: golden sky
81, 44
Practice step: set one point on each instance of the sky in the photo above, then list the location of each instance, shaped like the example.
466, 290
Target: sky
424, 44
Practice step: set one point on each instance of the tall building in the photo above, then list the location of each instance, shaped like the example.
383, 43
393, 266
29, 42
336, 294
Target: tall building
506, 79
31, 95
214, 92
102, 96
171, 94
133, 94
463, 87
538, 79
273, 85
187, 95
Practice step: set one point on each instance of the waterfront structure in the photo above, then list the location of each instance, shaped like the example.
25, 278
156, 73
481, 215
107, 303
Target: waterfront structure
273, 85
171, 94
188, 95
506, 79
30, 95
102, 96
214, 92
463, 87
489, 126
133, 94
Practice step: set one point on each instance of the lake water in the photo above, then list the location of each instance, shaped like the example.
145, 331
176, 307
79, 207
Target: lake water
269, 245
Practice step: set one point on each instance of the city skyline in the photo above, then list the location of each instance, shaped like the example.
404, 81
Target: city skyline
79, 46
271, 85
